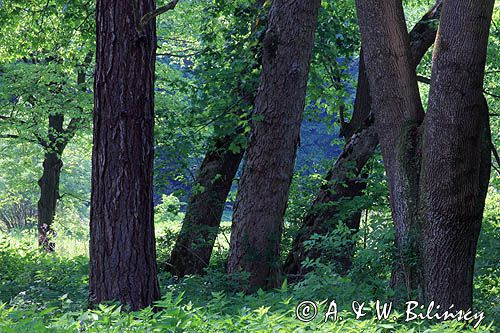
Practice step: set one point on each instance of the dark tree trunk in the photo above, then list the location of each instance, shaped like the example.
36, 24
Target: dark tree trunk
194, 245
270, 156
362, 142
122, 244
54, 145
323, 216
398, 114
456, 159
49, 182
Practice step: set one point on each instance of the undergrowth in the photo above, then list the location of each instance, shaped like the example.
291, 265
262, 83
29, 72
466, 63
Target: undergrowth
42, 292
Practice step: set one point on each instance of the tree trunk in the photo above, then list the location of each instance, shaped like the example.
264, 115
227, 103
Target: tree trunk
194, 245
360, 146
54, 145
268, 169
323, 215
398, 114
49, 182
122, 244
456, 159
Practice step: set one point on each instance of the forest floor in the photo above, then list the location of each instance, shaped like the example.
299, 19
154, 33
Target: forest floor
48, 293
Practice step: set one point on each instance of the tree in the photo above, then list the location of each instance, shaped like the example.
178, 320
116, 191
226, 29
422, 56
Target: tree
58, 138
193, 248
122, 244
438, 179
34, 115
43, 106
456, 159
346, 179
268, 165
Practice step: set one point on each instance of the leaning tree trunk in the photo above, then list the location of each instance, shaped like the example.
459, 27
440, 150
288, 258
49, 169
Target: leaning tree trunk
49, 182
194, 245
361, 144
122, 244
456, 159
263, 188
323, 216
398, 113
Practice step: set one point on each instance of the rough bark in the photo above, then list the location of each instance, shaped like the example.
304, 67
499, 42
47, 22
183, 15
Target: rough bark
360, 146
455, 157
122, 244
263, 188
398, 114
193, 248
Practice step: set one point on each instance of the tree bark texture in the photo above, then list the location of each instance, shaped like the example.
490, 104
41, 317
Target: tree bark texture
398, 114
456, 159
438, 180
122, 244
360, 146
268, 166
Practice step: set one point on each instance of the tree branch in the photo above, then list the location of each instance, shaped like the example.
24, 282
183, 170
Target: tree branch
151, 15
423, 79
490, 94
9, 136
497, 157
426, 80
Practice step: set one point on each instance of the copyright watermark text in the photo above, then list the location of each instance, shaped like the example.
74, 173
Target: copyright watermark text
307, 311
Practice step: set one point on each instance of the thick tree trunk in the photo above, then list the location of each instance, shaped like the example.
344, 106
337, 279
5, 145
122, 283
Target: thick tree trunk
194, 245
398, 114
264, 185
455, 157
49, 182
362, 142
122, 244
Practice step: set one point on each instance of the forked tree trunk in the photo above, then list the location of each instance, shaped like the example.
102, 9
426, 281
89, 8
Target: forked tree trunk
398, 114
361, 143
456, 158
437, 181
122, 243
263, 188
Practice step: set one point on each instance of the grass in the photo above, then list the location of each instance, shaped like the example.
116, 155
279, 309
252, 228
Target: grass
48, 292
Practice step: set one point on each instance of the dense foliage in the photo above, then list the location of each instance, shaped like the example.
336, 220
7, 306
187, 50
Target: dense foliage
208, 61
